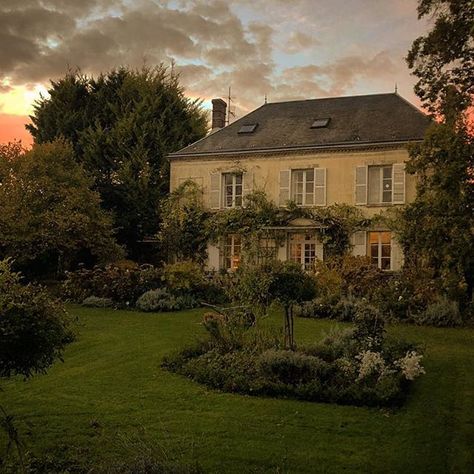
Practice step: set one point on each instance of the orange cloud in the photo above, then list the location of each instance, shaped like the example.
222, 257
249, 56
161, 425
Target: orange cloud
12, 127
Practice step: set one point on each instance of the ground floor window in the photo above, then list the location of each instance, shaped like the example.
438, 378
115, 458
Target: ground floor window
267, 250
380, 249
232, 251
303, 249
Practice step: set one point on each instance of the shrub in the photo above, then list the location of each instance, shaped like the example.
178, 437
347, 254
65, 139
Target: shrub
442, 313
343, 310
96, 302
123, 283
291, 367
163, 300
337, 343
34, 329
186, 276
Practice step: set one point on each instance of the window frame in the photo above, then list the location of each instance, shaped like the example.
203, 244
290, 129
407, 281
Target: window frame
234, 185
306, 240
304, 183
381, 183
230, 259
380, 258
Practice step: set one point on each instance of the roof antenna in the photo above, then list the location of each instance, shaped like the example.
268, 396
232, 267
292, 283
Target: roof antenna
396, 88
265, 98
230, 113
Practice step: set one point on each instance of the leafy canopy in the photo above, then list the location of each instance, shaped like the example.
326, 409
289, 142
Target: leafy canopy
443, 59
50, 217
122, 125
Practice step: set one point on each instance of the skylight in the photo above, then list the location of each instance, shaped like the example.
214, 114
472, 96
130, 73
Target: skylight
320, 123
249, 128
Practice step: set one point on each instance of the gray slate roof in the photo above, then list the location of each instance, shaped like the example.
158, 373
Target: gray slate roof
354, 120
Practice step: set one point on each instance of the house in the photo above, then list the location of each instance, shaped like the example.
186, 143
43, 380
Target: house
316, 153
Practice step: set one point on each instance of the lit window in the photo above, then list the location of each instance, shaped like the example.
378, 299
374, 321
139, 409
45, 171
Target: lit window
232, 249
303, 249
380, 249
380, 184
232, 189
302, 187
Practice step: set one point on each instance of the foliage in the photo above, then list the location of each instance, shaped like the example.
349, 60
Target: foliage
443, 59
290, 367
353, 366
121, 282
50, 218
122, 125
182, 233
343, 310
275, 282
162, 300
183, 276
442, 313
340, 221
34, 329
436, 230
96, 302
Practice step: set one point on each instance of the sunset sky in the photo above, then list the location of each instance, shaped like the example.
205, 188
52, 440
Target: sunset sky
284, 49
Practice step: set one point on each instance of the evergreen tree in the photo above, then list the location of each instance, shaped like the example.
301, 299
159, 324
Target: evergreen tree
122, 126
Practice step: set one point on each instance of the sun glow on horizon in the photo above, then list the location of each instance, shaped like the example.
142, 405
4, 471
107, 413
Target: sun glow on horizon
19, 100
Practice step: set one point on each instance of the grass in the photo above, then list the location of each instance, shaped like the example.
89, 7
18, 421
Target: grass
111, 385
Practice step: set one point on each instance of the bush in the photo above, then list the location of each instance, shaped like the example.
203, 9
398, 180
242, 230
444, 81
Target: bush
123, 283
442, 313
96, 302
163, 300
289, 367
34, 329
183, 277
343, 310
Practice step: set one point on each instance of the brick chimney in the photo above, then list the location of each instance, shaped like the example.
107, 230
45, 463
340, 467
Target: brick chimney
219, 108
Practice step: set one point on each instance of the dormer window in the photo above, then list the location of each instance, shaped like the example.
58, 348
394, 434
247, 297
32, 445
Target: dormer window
249, 128
321, 123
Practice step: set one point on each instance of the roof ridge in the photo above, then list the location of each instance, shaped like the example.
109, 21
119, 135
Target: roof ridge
331, 98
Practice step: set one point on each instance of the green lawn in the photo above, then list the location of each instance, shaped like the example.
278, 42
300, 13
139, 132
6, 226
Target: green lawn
111, 383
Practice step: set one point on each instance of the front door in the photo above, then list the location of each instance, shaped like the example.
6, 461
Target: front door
303, 249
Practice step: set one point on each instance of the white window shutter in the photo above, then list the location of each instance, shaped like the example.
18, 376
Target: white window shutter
361, 185
284, 194
319, 248
215, 191
398, 187
248, 183
396, 255
320, 186
359, 244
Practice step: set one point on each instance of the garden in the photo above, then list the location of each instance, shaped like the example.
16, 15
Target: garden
111, 401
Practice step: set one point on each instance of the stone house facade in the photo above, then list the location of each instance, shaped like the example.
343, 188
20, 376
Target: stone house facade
315, 153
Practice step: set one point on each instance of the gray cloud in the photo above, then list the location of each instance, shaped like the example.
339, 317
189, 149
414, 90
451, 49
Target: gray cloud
215, 46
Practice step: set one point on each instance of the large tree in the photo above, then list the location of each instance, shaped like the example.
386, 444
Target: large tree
443, 59
49, 215
437, 229
122, 125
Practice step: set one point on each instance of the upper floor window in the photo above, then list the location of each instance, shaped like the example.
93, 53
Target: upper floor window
306, 187
302, 187
232, 187
380, 185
